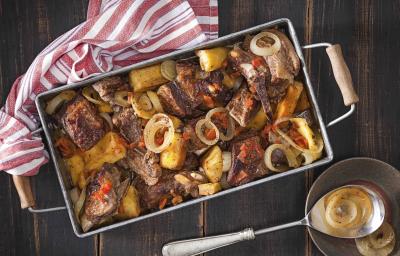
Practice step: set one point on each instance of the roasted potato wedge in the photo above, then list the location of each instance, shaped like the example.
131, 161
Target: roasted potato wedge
174, 156
212, 164
259, 120
147, 78
130, 205
176, 121
209, 188
302, 103
287, 106
75, 166
212, 59
108, 150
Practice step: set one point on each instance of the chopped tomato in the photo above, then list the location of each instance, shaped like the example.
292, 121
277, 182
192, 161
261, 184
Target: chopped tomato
241, 176
99, 195
186, 136
249, 152
208, 101
222, 119
257, 61
248, 102
141, 143
66, 146
242, 156
105, 188
210, 134
159, 139
267, 129
298, 138
162, 203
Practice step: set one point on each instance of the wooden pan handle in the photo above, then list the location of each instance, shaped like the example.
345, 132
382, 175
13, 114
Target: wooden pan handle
342, 74
23, 186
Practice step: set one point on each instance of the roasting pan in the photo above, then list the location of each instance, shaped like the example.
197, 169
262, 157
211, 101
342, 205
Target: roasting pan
341, 73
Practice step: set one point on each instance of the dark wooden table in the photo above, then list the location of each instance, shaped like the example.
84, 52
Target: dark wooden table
369, 33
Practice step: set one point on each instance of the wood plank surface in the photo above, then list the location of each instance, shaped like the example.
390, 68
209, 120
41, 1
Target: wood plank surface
368, 31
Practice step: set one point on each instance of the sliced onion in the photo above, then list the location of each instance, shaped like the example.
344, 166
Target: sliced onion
157, 122
226, 161
79, 204
142, 105
231, 123
155, 101
91, 95
310, 156
293, 144
209, 125
107, 117
199, 152
290, 156
58, 100
121, 98
74, 195
262, 48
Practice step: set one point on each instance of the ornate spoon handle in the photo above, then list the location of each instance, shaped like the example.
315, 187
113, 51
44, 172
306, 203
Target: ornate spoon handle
201, 245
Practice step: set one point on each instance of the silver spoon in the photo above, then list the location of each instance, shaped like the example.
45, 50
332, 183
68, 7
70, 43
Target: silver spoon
312, 219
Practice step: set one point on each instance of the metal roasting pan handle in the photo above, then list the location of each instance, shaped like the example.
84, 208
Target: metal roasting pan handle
342, 76
23, 186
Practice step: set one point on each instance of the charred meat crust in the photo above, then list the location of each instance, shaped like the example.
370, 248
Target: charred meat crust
285, 64
130, 126
168, 187
258, 78
82, 123
107, 87
103, 195
247, 161
174, 101
243, 106
143, 163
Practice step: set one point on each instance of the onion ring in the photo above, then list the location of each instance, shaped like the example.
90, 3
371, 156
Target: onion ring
290, 156
231, 123
57, 101
91, 95
121, 98
262, 48
157, 122
210, 125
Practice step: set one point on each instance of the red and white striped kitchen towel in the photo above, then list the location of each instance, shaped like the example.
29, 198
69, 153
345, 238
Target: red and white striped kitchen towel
116, 33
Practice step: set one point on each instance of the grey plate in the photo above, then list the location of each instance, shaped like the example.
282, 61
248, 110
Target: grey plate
63, 177
382, 176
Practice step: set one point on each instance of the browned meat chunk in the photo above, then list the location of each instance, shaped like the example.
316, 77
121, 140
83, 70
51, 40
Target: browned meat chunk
193, 142
191, 162
145, 164
257, 75
243, 106
284, 64
107, 87
173, 100
171, 185
129, 125
186, 80
103, 194
247, 161
213, 92
82, 123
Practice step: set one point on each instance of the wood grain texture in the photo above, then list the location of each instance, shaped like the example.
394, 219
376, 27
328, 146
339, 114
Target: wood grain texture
368, 33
